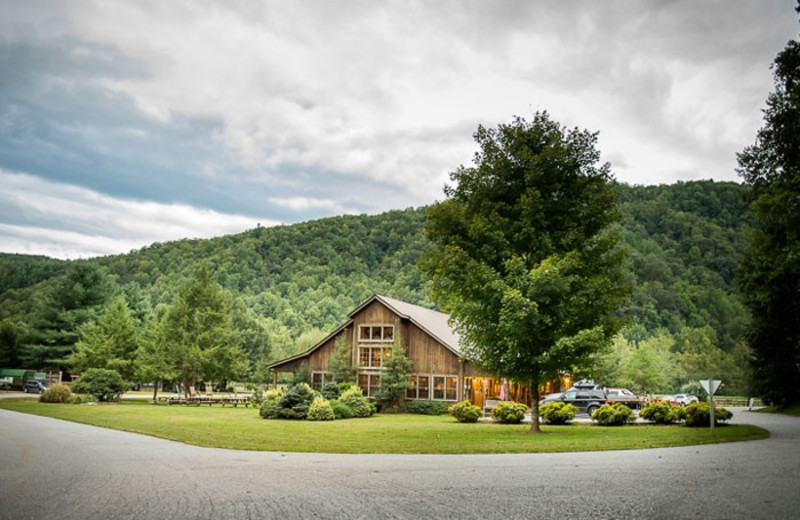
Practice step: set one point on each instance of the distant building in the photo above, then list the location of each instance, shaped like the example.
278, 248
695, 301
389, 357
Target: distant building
439, 373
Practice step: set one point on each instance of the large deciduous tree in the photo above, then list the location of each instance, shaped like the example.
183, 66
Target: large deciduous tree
523, 257
770, 271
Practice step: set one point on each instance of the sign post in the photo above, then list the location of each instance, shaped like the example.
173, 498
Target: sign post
711, 386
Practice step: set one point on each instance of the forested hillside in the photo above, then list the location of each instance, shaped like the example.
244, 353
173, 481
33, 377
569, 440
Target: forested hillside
293, 283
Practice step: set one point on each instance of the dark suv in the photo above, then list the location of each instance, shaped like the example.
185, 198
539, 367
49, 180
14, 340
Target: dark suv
35, 387
584, 400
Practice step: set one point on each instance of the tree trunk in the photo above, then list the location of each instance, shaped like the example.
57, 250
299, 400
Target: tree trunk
535, 408
155, 391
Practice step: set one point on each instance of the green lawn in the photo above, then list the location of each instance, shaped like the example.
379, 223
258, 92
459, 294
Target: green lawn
243, 429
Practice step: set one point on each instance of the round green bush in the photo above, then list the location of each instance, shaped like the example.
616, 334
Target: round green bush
320, 410
104, 384
661, 413
330, 391
57, 393
354, 399
270, 404
340, 410
557, 412
615, 414
465, 412
699, 415
295, 403
509, 412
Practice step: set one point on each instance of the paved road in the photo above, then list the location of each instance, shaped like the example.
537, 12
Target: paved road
61, 470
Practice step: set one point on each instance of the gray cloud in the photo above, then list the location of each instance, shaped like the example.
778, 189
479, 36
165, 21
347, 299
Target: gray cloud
285, 111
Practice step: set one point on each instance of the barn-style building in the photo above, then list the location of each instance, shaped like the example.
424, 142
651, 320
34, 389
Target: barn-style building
439, 373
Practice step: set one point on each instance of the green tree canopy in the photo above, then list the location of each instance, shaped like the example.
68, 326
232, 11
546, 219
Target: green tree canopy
110, 341
770, 271
198, 332
523, 257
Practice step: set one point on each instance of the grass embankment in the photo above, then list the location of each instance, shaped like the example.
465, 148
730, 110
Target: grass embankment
243, 429
793, 410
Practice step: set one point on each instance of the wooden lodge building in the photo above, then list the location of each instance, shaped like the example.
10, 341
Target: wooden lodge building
439, 372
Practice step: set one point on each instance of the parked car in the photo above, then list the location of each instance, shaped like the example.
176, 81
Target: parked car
34, 387
584, 400
626, 397
663, 399
684, 399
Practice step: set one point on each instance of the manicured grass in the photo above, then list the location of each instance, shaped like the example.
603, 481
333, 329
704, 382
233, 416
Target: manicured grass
243, 429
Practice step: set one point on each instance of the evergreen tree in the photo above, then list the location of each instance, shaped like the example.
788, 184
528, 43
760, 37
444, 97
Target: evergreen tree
770, 272
341, 365
394, 379
198, 332
73, 301
110, 341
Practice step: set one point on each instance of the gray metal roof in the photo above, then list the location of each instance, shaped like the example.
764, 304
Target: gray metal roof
433, 322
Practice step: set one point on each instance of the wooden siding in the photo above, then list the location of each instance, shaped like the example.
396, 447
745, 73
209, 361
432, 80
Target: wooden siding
429, 356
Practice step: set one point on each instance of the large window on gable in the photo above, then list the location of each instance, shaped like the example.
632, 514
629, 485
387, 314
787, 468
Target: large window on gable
376, 333
373, 357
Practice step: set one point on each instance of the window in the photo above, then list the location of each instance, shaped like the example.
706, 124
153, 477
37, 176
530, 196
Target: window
320, 378
445, 388
370, 384
418, 387
376, 333
372, 357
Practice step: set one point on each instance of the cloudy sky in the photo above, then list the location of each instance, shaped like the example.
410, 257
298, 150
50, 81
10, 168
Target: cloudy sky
126, 123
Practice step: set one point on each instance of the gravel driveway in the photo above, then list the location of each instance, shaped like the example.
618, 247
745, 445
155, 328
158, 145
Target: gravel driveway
61, 470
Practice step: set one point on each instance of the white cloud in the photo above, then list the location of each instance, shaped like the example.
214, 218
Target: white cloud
68, 221
306, 203
328, 106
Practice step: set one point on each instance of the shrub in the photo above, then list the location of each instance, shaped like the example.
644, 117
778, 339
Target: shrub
615, 414
55, 394
295, 403
662, 413
699, 414
465, 412
509, 412
426, 407
557, 412
104, 384
81, 399
320, 410
345, 386
330, 391
270, 404
340, 410
354, 399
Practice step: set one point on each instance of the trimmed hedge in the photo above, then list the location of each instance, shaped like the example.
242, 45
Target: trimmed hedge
557, 412
426, 407
615, 414
320, 410
509, 412
662, 413
699, 414
354, 399
465, 412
